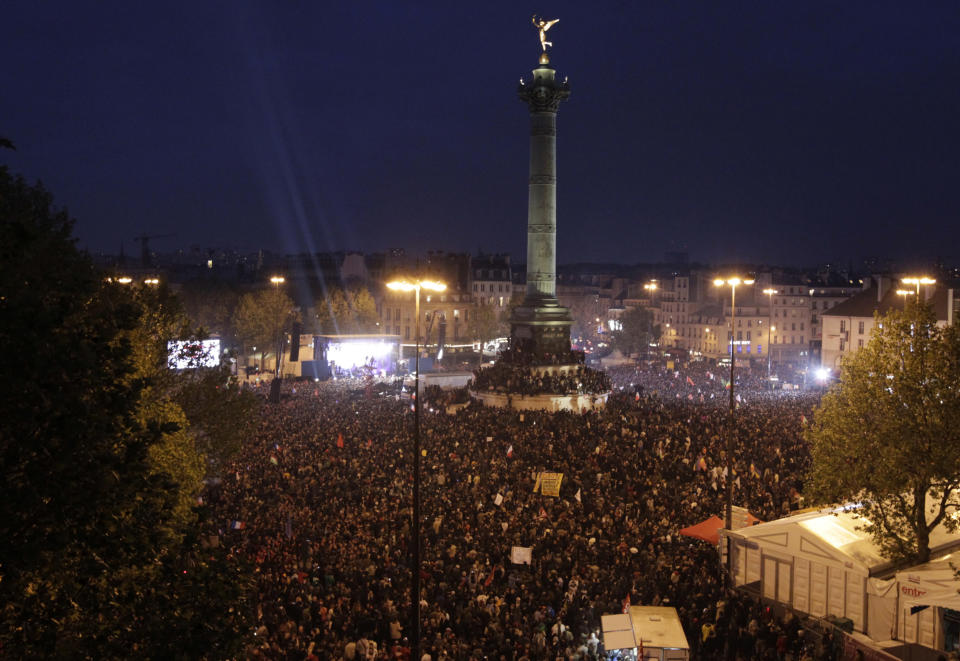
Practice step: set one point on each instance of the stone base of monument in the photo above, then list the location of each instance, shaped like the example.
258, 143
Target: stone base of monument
579, 402
543, 402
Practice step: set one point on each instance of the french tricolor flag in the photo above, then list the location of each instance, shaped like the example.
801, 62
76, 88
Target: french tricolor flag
237, 525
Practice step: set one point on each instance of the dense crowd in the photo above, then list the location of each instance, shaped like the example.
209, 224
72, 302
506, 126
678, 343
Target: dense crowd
507, 377
524, 355
706, 383
321, 505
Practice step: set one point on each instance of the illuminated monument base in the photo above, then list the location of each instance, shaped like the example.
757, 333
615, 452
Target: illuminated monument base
579, 400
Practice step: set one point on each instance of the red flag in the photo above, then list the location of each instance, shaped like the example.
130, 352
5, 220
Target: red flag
340, 440
626, 603
690, 381
369, 442
510, 452
637, 398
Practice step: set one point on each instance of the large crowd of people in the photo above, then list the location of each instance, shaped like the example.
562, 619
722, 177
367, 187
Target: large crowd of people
507, 377
321, 505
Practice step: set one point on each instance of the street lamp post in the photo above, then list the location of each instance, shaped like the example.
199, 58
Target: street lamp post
769, 292
406, 285
917, 280
904, 293
652, 288
733, 282
278, 280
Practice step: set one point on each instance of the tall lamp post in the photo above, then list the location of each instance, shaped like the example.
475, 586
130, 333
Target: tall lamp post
917, 280
416, 286
769, 291
651, 287
904, 293
733, 282
278, 280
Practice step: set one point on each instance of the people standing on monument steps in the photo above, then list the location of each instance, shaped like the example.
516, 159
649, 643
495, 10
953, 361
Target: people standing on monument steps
322, 503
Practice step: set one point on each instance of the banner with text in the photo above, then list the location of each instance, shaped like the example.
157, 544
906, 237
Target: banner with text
550, 484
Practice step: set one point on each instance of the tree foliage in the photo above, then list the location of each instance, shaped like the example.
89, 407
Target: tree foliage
262, 319
210, 304
484, 324
222, 415
888, 434
100, 470
349, 309
636, 329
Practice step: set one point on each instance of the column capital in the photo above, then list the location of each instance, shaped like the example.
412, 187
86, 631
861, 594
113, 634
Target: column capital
544, 93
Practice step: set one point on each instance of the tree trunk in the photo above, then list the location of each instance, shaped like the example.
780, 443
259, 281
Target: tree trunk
923, 532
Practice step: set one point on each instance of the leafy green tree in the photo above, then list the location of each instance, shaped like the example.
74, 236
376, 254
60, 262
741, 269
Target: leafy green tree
635, 332
349, 309
210, 304
263, 318
484, 324
585, 310
222, 416
888, 434
96, 526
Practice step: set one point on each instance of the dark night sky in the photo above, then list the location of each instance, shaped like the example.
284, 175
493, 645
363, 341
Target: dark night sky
758, 131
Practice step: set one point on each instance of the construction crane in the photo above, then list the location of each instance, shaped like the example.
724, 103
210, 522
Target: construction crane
144, 240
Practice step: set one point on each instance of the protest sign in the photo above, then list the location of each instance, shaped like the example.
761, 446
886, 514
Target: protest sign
550, 484
521, 555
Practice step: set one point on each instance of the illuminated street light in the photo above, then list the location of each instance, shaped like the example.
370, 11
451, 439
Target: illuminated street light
732, 282
152, 281
918, 280
416, 286
278, 280
124, 280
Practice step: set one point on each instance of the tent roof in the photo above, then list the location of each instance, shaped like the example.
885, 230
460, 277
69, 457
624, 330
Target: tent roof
654, 626
658, 626
833, 532
709, 530
934, 570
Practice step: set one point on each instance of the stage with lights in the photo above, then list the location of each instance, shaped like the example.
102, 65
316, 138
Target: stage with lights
349, 353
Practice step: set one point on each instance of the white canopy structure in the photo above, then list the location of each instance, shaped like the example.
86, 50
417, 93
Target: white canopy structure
934, 585
820, 563
654, 631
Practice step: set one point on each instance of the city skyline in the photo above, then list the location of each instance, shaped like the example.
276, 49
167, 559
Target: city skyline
777, 135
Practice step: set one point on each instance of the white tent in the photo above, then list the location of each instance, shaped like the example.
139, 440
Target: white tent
818, 562
932, 584
654, 629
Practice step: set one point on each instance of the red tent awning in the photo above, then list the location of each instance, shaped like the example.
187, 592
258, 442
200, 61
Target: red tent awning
707, 530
